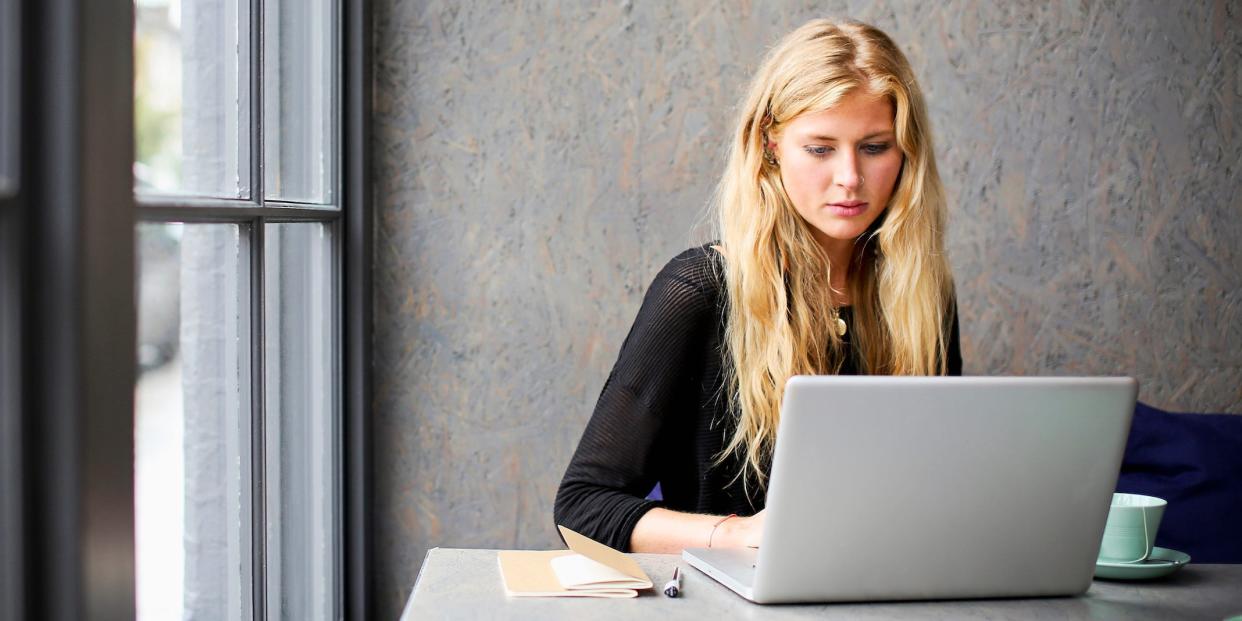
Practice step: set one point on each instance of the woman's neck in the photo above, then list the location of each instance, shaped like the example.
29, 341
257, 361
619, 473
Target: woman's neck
839, 252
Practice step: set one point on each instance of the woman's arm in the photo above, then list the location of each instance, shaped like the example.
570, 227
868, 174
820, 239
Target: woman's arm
664, 531
620, 453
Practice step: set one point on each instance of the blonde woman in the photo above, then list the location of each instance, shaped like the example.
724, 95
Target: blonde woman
830, 260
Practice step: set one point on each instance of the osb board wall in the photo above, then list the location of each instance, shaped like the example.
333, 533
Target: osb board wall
537, 162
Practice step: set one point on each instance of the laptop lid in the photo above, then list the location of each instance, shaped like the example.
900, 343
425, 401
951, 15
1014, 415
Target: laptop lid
887, 488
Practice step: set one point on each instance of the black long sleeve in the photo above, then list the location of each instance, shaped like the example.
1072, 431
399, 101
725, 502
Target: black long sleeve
662, 417
650, 390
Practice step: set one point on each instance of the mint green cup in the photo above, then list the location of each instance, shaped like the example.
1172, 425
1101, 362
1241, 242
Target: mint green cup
1130, 531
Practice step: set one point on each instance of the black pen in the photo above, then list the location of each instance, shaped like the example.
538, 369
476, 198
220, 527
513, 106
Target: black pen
672, 588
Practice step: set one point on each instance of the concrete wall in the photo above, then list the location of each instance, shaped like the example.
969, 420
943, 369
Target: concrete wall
537, 162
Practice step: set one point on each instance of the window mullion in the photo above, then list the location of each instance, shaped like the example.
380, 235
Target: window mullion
336, 230
175, 212
258, 422
256, 99
258, 311
257, 185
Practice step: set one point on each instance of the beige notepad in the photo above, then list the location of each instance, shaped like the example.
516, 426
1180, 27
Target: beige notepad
587, 569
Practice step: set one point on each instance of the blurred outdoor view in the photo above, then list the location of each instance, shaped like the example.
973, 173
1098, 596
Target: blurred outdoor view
159, 476
159, 489
189, 437
157, 96
191, 98
188, 565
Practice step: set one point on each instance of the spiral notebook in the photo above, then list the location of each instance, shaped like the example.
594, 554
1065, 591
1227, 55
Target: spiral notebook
587, 569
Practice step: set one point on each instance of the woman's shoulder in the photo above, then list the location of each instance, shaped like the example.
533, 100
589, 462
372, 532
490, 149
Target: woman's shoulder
700, 267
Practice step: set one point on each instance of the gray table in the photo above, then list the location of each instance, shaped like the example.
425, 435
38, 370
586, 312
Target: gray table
465, 584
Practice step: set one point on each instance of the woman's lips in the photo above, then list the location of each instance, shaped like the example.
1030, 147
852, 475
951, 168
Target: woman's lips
847, 210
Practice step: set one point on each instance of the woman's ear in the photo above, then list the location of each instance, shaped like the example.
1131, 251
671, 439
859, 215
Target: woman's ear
769, 150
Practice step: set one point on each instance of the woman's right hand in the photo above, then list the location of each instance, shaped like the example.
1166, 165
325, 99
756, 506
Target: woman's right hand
664, 531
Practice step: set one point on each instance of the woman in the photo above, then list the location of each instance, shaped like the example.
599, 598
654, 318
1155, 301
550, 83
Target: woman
830, 260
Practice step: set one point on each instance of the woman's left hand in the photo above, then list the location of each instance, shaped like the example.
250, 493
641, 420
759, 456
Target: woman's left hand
743, 531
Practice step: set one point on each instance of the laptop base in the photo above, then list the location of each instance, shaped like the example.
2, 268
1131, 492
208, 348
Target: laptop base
732, 567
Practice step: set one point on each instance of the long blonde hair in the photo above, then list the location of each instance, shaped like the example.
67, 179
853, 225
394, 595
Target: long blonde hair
780, 318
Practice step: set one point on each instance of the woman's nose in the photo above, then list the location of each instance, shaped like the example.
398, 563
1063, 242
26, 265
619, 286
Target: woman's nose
847, 174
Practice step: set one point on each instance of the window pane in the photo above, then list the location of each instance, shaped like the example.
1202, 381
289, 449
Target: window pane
9, 42
303, 427
298, 99
191, 429
191, 98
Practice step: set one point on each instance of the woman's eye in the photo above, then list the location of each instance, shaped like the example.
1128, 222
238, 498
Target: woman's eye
870, 149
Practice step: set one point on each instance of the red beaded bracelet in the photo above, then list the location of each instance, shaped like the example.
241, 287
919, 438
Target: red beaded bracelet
713, 533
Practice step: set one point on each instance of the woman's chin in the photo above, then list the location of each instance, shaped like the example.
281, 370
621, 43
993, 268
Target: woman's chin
841, 231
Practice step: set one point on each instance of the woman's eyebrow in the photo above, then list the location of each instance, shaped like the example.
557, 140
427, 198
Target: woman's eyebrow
867, 137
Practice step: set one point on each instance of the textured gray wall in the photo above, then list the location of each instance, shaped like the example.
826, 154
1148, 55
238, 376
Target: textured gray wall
536, 163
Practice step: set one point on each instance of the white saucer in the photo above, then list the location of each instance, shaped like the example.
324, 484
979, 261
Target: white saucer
1162, 562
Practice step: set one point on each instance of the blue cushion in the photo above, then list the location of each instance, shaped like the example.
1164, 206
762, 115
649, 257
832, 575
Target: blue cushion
1194, 461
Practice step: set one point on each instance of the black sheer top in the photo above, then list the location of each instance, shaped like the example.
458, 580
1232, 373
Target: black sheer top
661, 417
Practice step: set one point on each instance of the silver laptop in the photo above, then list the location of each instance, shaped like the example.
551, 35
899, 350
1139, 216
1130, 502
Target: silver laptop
888, 488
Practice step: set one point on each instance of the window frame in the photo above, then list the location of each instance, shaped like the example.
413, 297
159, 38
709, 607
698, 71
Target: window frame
354, 178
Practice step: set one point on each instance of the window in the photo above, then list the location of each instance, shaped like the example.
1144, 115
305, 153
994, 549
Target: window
302, 401
192, 432
239, 437
192, 75
298, 122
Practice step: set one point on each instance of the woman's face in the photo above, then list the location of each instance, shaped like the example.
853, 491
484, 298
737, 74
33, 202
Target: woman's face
840, 166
